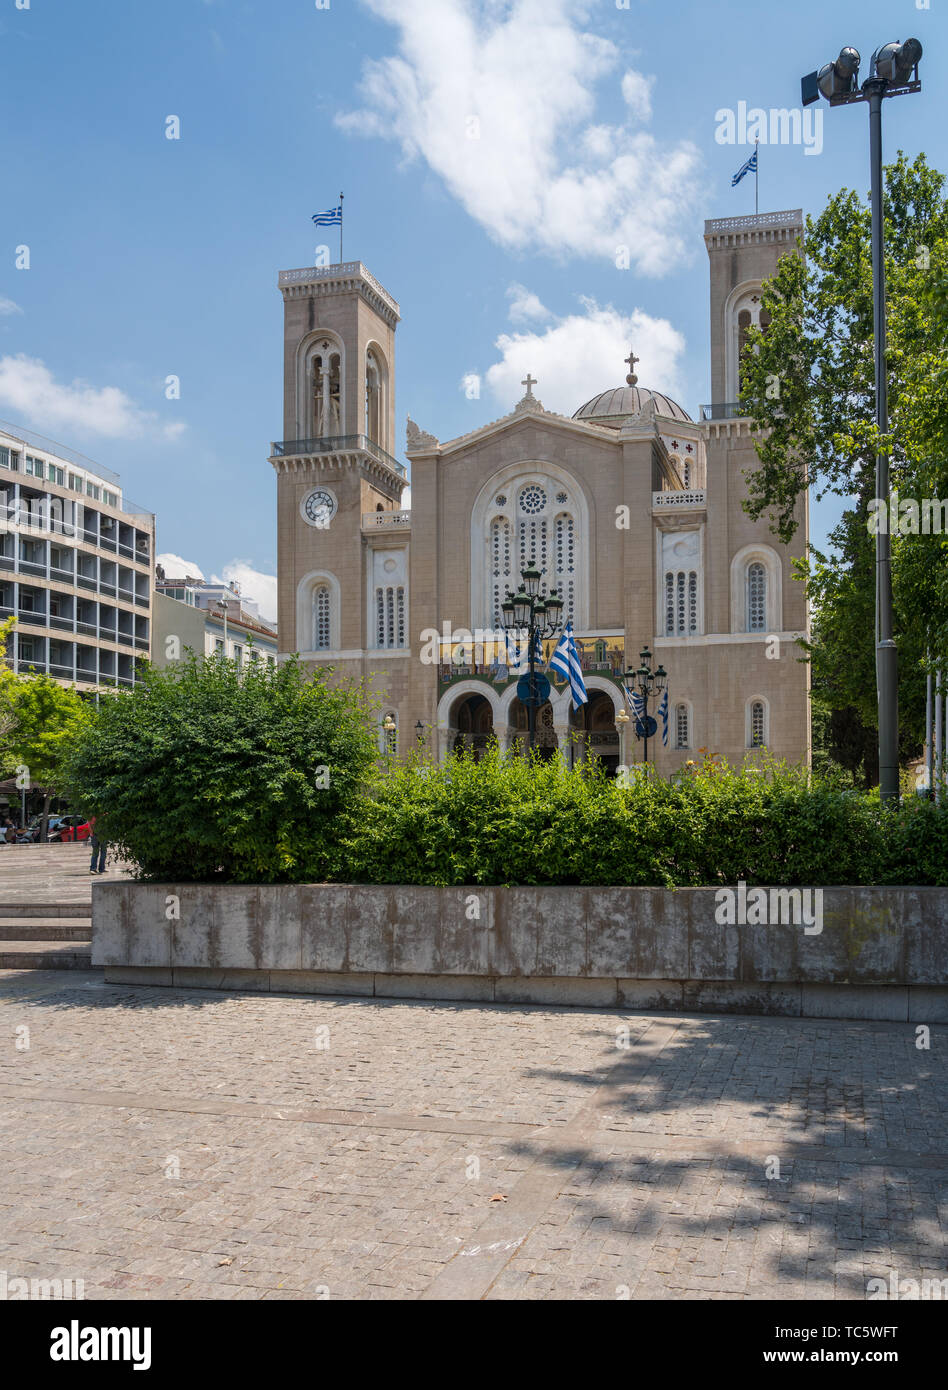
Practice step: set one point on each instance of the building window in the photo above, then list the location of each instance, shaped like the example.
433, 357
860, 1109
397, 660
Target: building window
758, 730
390, 616
681, 603
682, 732
218, 646
238, 655
321, 633
756, 597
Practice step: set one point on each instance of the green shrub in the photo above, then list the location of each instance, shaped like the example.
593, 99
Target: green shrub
510, 821
203, 772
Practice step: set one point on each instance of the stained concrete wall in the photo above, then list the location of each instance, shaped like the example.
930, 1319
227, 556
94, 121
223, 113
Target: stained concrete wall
882, 952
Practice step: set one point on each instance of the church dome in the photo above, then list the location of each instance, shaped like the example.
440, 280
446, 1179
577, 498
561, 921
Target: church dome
622, 401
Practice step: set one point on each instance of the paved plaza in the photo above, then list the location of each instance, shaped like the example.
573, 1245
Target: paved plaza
187, 1144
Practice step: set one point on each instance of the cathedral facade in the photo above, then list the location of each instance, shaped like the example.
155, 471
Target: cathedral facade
630, 508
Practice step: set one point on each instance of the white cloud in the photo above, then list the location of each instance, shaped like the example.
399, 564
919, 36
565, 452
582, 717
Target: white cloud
499, 101
525, 305
176, 568
637, 93
582, 354
7, 306
31, 391
260, 588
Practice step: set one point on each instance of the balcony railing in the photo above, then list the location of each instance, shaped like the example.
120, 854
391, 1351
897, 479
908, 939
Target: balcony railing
386, 521
336, 444
724, 410
682, 500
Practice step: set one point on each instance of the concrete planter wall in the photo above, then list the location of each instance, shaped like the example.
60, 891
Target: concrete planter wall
882, 952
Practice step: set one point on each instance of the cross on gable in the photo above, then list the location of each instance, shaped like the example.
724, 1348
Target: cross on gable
529, 382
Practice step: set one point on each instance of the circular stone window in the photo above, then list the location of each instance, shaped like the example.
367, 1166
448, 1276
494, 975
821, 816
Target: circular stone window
532, 499
500, 500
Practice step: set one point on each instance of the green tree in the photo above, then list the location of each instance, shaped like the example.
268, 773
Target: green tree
808, 382
203, 771
46, 719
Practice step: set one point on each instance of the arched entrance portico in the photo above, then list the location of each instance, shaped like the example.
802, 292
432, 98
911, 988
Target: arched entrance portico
467, 718
593, 726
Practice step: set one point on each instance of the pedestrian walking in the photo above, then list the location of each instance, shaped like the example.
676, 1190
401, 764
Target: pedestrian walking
99, 848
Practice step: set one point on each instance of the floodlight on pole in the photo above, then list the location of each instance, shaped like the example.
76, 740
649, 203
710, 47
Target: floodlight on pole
893, 72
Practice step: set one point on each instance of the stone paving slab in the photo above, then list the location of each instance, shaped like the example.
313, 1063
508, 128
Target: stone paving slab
159, 1143
51, 874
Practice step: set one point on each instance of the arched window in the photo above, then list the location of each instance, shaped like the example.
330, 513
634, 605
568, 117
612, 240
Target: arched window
682, 731
321, 624
743, 324
758, 724
532, 527
756, 597
373, 398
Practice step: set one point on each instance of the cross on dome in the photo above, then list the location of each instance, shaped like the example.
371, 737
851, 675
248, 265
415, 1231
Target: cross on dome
631, 379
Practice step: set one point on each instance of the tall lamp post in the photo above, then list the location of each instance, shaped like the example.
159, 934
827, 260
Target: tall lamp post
531, 616
649, 683
893, 72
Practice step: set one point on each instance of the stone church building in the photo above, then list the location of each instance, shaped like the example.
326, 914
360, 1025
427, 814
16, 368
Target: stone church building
630, 508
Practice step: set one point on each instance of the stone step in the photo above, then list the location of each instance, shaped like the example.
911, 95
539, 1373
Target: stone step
37, 929
45, 955
41, 912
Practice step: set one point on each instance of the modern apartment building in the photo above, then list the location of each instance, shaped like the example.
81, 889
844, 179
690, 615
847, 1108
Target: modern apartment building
210, 620
75, 565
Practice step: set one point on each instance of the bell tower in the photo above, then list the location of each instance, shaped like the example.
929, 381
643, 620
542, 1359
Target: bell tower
743, 252
338, 354
335, 464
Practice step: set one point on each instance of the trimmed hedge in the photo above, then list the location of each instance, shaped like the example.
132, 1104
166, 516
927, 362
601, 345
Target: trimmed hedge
512, 822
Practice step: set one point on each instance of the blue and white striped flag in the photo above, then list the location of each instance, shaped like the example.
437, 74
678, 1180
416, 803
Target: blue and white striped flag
332, 218
565, 661
663, 716
750, 167
635, 702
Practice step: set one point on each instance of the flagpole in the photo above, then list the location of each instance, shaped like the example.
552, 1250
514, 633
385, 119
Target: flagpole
340, 227
757, 179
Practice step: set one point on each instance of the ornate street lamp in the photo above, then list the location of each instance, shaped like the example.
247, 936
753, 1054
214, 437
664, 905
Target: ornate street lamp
649, 683
530, 616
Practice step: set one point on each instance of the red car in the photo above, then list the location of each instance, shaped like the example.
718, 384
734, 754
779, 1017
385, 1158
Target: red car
74, 828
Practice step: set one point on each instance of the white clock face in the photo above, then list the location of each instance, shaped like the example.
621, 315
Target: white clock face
319, 508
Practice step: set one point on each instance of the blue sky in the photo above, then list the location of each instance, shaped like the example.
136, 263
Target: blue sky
493, 154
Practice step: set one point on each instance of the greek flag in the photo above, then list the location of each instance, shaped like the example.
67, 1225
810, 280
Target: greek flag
750, 167
332, 218
565, 661
663, 716
635, 702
